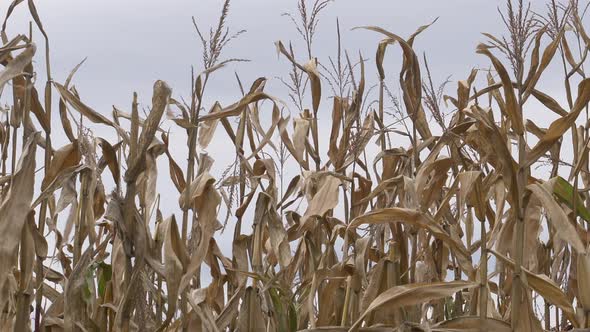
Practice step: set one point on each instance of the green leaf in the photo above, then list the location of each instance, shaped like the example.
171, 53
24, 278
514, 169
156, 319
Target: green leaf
104, 276
284, 309
565, 193
89, 280
292, 317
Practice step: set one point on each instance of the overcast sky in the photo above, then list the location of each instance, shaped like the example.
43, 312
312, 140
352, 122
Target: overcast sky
131, 43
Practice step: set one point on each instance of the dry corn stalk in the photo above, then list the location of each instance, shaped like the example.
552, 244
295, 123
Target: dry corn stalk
393, 240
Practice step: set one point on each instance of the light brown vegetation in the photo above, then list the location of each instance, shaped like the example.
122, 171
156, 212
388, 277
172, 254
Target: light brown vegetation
396, 240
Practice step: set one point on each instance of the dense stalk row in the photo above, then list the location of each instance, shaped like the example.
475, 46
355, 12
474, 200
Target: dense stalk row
436, 209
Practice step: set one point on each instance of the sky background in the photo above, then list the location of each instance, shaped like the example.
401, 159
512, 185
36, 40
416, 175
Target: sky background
129, 44
132, 43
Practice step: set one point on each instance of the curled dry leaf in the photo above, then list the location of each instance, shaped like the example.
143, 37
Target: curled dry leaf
405, 295
16, 67
13, 212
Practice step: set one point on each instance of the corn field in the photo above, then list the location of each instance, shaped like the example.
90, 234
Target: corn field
413, 205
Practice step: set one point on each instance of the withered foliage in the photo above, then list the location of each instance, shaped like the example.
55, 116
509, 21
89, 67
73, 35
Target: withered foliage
441, 209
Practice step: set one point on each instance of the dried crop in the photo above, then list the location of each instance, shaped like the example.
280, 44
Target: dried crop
446, 208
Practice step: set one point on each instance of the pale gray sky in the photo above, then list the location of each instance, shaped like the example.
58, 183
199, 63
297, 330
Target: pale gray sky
131, 43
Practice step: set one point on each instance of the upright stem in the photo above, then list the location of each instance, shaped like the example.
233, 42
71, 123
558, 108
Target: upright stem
193, 133
516, 284
547, 253
43, 209
14, 140
316, 143
344, 320
5, 147
522, 177
381, 113
483, 269
383, 147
